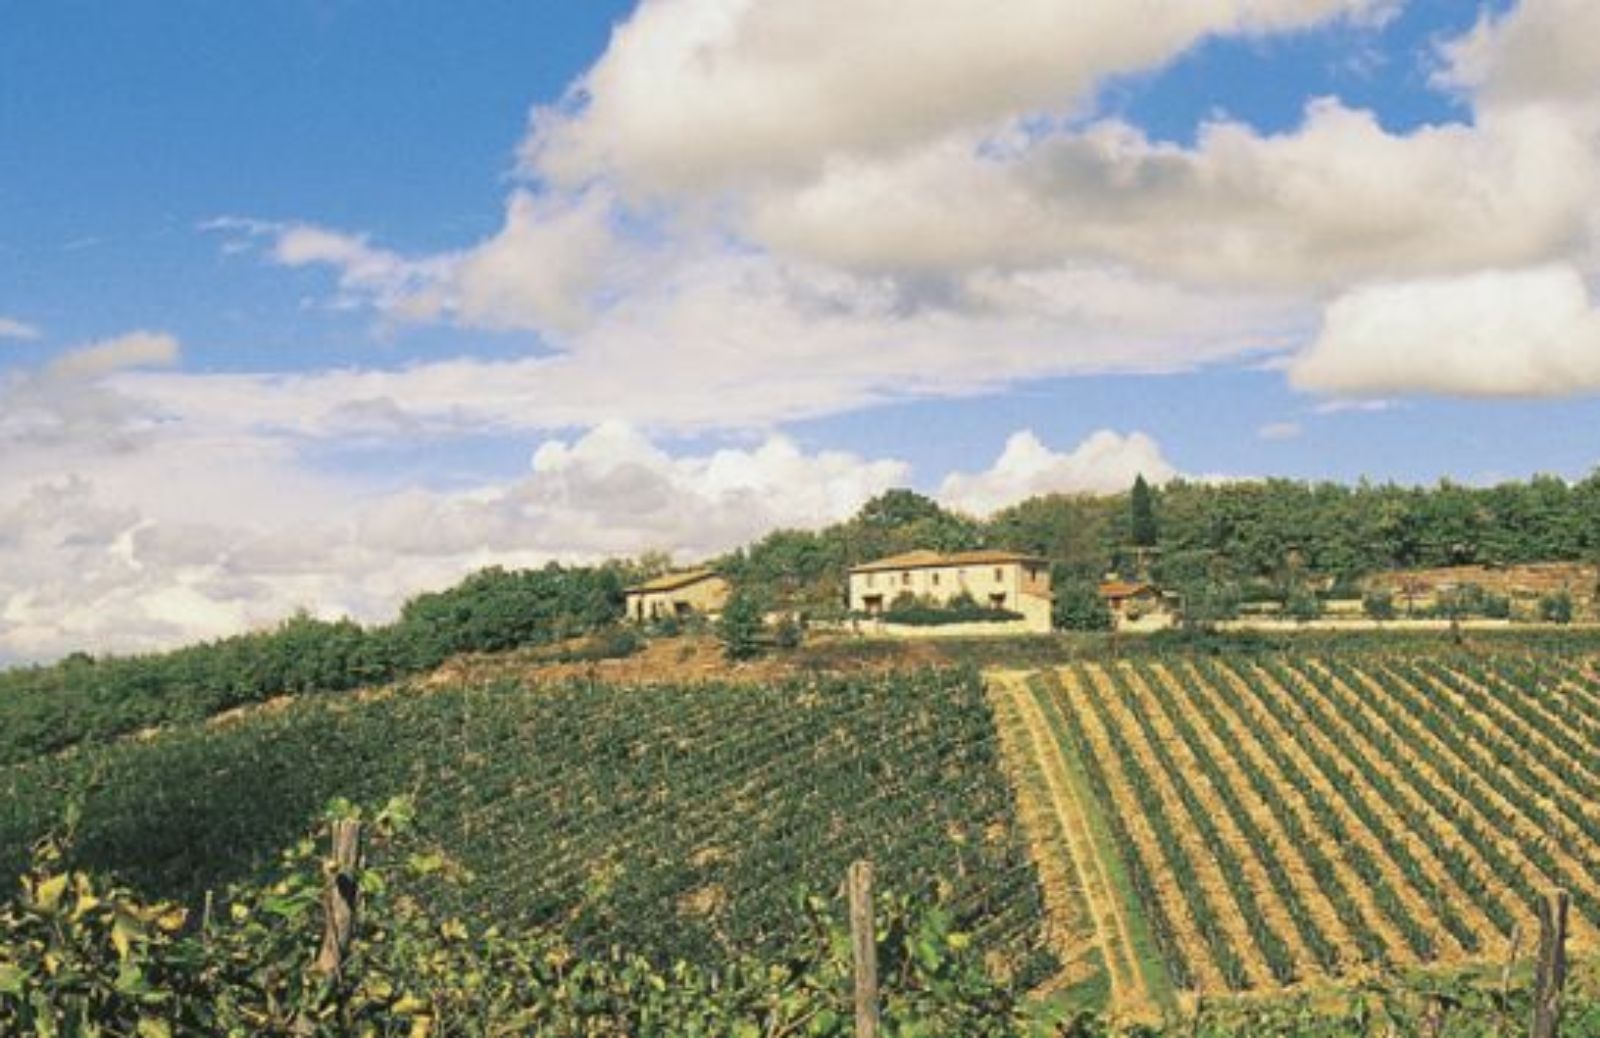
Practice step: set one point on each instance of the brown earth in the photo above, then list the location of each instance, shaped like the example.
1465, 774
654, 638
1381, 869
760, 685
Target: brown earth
1175, 907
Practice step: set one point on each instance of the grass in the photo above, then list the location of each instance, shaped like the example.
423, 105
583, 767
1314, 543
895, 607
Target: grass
1146, 955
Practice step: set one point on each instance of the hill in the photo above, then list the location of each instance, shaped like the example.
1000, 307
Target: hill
678, 821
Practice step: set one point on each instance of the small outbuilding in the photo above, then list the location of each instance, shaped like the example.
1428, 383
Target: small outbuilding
1135, 604
677, 595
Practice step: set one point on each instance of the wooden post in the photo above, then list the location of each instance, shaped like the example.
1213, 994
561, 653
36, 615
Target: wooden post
1551, 972
864, 947
1511, 959
339, 899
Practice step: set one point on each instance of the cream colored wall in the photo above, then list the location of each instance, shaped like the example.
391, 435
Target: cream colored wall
942, 583
707, 596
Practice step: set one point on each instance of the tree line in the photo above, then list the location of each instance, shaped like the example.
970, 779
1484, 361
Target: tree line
1214, 543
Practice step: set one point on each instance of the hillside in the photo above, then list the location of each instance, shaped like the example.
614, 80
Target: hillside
680, 821
1258, 823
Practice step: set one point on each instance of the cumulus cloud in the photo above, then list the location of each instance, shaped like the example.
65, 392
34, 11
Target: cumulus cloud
132, 534
1336, 199
737, 203
698, 94
1538, 52
11, 328
1500, 333
1105, 462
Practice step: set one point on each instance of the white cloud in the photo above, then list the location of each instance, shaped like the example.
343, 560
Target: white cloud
14, 329
123, 530
697, 95
1105, 462
743, 342
535, 273
1495, 334
1539, 52
1336, 199
139, 349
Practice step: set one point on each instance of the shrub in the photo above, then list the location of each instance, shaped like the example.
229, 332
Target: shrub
1079, 607
1379, 605
935, 616
740, 628
1556, 608
1302, 604
788, 632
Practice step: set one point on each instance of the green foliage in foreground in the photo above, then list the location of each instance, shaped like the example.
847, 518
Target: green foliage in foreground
80, 957
678, 821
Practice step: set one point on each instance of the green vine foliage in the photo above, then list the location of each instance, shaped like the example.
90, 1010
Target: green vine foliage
80, 957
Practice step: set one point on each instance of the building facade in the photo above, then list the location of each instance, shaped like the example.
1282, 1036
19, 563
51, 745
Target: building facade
994, 579
677, 595
1137, 606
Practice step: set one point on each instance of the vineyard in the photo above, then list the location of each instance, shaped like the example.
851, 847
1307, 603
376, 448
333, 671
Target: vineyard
1255, 823
675, 821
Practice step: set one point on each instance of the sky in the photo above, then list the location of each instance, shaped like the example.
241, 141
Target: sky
321, 303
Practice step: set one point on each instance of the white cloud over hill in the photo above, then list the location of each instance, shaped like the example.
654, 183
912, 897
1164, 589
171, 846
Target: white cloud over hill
127, 527
1104, 463
873, 205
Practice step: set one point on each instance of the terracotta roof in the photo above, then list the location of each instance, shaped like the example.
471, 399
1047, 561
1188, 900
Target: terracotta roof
1123, 589
671, 581
925, 559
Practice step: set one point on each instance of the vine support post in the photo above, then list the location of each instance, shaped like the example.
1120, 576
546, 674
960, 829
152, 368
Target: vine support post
864, 948
339, 898
1551, 970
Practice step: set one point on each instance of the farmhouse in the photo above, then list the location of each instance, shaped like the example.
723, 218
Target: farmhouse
996, 579
679, 595
1135, 604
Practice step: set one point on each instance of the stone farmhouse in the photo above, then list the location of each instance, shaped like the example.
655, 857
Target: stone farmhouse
996, 579
677, 595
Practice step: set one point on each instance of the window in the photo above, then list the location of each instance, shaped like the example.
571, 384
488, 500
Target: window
936, 580
905, 578
872, 580
998, 577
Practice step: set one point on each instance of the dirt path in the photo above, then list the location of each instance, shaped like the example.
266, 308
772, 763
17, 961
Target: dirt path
1186, 930
1072, 926
1038, 748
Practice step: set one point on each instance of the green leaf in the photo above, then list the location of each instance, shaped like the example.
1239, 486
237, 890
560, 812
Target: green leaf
48, 893
154, 1027
11, 979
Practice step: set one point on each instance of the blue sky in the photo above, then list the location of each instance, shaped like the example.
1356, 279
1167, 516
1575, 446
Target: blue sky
318, 303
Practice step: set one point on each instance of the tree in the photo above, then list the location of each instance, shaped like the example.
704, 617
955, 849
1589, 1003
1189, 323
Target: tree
740, 627
1142, 514
1302, 604
1556, 608
1079, 607
1379, 605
